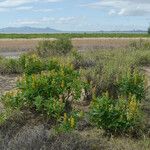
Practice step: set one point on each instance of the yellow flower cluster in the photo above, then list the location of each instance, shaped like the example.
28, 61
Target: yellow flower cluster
94, 93
132, 107
13, 92
62, 72
136, 76
62, 84
32, 58
65, 117
70, 120
51, 73
71, 66
21, 79
33, 81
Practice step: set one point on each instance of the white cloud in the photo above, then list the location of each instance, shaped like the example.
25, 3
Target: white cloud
123, 7
48, 21
7, 4
26, 22
112, 12
44, 10
32, 9
66, 20
13, 3
24, 8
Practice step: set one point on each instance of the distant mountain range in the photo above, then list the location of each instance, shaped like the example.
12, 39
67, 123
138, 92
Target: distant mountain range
30, 30
26, 30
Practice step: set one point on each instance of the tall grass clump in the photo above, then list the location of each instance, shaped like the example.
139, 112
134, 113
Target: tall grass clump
109, 66
132, 83
10, 66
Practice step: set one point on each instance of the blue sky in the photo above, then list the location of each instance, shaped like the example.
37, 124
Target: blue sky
76, 15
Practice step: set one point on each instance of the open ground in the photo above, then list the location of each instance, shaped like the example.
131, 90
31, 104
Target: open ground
15, 47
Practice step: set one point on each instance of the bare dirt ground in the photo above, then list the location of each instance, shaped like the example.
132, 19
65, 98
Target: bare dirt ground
15, 47
79, 43
6, 84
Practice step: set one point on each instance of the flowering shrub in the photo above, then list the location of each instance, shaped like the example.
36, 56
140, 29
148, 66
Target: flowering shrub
48, 91
13, 98
132, 83
33, 64
115, 116
69, 121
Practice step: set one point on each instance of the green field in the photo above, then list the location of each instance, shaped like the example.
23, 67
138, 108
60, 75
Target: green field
75, 35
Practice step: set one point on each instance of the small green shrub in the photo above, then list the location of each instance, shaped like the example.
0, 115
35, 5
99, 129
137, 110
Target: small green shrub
63, 46
132, 83
57, 47
115, 116
33, 64
69, 121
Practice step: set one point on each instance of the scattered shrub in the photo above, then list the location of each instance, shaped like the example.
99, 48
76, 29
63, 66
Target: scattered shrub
115, 116
57, 47
63, 46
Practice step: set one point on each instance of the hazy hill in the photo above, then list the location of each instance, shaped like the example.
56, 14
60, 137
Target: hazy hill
27, 30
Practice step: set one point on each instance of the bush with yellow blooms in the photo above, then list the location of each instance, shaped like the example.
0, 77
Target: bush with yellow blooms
48, 91
116, 116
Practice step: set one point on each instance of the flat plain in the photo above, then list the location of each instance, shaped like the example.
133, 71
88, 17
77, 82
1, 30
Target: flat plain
79, 43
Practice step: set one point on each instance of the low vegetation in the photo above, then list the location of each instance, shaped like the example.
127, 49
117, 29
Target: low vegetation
56, 78
74, 35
